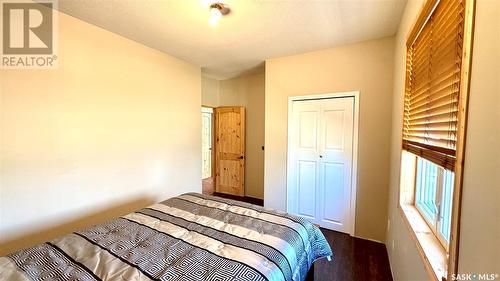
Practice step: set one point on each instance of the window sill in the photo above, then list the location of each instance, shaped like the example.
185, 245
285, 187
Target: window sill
432, 253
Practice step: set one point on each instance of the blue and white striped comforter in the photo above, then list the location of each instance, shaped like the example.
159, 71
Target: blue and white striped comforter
189, 237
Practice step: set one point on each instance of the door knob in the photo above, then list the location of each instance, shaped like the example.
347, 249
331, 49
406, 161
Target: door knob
242, 157
321, 156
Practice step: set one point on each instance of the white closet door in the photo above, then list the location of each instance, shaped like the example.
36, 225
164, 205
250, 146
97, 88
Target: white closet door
321, 152
334, 189
305, 161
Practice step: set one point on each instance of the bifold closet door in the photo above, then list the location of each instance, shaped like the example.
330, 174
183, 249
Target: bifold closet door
320, 155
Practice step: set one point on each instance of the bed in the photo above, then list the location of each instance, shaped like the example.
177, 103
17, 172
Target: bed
189, 237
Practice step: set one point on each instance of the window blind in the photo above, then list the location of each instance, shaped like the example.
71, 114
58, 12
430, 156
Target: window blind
432, 89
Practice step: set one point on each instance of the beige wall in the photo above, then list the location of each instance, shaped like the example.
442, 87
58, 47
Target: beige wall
114, 128
480, 234
367, 67
209, 91
248, 91
480, 229
406, 263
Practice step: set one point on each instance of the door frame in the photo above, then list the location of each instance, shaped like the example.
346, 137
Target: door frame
212, 172
354, 174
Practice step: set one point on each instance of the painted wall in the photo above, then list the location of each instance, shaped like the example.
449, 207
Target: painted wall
116, 127
406, 263
248, 91
480, 221
367, 67
480, 229
209, 91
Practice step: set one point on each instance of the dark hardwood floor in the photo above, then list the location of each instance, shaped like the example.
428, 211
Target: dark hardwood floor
251, 200
209, 189
353, 259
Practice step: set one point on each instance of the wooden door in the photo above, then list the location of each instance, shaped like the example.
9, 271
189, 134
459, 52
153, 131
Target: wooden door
230, 150
321, 154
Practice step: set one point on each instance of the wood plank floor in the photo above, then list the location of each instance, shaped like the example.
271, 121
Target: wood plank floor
251, 200
353, 259
208, 189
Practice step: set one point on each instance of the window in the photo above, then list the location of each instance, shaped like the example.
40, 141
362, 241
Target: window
435, 105
433, 197
433, 75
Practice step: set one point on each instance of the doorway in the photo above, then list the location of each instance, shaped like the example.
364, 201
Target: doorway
322, 153
207, 164
223, 150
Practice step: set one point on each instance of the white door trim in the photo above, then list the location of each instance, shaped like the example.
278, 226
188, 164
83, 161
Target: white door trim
355, 95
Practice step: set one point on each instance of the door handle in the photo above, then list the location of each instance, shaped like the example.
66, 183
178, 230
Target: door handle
321, 156
242, 157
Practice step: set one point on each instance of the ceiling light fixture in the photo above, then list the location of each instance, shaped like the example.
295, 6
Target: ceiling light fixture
217, 10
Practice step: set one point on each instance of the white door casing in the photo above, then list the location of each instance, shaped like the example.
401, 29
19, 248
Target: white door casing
322, 152
206, 141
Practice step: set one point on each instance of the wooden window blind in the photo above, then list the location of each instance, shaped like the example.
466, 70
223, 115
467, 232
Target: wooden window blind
432, 89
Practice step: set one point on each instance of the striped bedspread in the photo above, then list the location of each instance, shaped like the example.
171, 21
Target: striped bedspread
189, 237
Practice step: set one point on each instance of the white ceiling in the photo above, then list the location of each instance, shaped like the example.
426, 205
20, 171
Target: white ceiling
255, 30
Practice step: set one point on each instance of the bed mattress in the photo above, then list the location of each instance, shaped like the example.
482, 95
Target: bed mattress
189, 237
